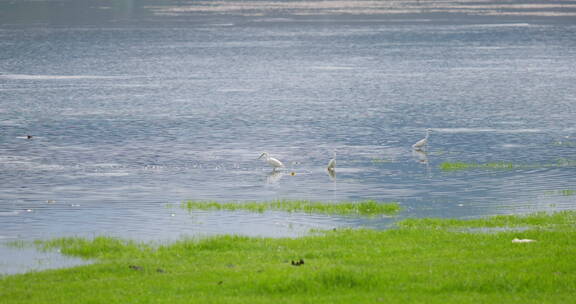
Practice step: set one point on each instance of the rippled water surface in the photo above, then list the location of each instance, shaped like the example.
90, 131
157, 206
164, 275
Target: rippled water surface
130, 121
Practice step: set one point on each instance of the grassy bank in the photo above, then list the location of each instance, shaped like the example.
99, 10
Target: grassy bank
422, 261
363, 208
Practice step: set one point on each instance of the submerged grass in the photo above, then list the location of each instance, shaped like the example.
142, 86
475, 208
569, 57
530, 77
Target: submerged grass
455, 166
363, 208
422, 261
562, 192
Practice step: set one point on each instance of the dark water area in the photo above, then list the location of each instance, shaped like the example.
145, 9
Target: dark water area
170, 12
138, 106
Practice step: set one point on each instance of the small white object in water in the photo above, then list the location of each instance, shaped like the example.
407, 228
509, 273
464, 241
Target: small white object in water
522, 240
29, 210
460, 205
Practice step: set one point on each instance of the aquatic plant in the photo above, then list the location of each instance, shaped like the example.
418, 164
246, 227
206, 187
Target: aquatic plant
16, 244
564, 143
381, 160
567, 192
455, 166
364, 208
563, 192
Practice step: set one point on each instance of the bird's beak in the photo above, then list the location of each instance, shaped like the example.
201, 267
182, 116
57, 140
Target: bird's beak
261, 156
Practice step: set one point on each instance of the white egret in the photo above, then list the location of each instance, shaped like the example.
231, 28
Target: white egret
423, 142
272, 161
332, 163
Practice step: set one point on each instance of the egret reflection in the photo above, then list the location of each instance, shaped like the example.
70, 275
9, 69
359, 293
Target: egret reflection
331, 173
420, 156
274, 177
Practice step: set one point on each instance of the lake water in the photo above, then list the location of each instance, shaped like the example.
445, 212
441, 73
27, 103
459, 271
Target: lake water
134, 113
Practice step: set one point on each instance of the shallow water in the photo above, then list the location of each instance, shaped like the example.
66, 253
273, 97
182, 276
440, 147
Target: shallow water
130, 120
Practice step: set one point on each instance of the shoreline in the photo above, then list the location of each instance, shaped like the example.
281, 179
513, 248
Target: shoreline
436, 260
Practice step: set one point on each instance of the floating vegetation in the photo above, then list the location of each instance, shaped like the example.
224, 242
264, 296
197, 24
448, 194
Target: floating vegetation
16, 244
567, 192
564, 192
564, 143
381, 160
364, 208
455, 166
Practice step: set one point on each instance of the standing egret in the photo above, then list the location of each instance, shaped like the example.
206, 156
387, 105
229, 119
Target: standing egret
272, 161
332, 163
332, 167
423, 143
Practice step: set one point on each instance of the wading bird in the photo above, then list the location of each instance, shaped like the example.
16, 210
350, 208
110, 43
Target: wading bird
272, 161
332, 163
423, 143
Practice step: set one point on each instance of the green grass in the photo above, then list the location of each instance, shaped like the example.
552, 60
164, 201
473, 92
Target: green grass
422, 261
455, 166
363, 208
562, 192
555, 221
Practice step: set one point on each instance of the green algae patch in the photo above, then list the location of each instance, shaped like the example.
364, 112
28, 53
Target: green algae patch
502, 165
455, 166
362, 208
